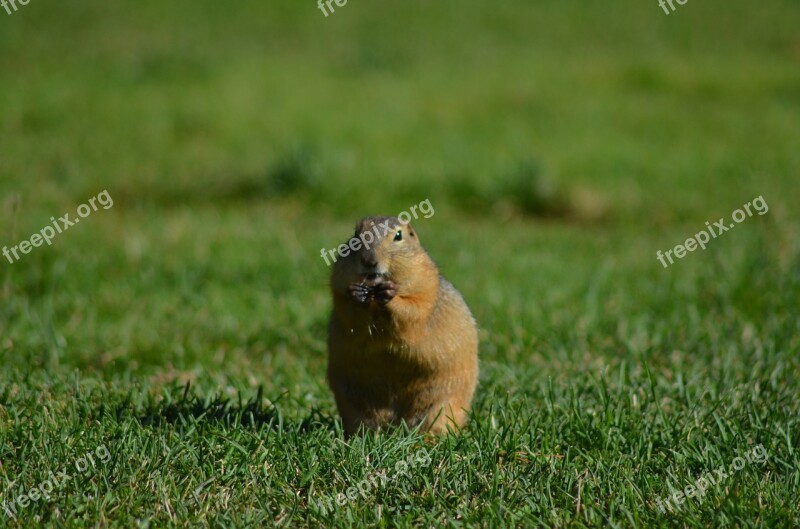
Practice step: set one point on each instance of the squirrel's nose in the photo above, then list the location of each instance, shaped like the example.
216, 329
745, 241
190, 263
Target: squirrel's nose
368, 260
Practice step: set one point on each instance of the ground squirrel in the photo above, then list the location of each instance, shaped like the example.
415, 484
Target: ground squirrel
402, 343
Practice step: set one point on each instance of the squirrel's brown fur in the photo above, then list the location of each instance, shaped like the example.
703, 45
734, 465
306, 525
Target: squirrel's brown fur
402, 344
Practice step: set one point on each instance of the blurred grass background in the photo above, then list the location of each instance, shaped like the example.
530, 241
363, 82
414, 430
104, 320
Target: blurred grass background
561, 143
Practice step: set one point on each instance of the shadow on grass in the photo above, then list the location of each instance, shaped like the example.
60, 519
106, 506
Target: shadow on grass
297, 171
301, 172
192, 409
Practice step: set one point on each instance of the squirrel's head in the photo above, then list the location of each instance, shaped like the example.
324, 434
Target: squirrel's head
386, 244
383, 249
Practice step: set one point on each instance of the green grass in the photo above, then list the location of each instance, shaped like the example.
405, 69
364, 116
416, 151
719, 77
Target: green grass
561, 143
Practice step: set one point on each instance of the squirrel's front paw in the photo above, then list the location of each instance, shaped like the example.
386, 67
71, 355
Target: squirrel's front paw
385, 292
361, 293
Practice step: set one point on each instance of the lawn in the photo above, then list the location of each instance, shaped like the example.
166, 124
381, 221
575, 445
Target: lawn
162, 363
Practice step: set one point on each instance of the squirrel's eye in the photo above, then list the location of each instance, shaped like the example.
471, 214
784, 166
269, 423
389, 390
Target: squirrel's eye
399, 235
